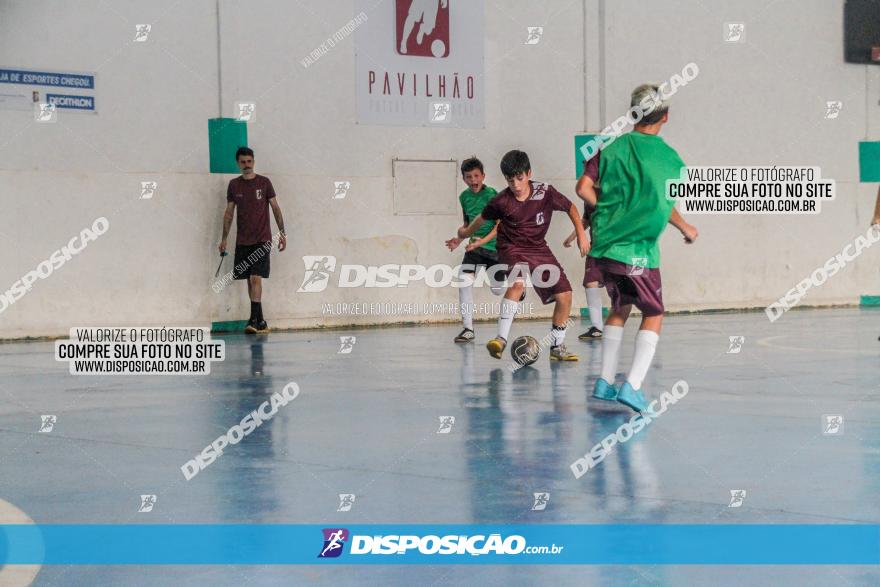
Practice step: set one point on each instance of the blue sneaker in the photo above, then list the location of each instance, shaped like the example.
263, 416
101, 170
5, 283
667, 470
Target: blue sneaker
604, 390
634, 398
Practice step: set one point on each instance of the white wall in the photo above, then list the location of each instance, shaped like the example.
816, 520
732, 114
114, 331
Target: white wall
757, 103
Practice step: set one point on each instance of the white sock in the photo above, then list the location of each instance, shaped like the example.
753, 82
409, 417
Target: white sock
505, 320
646, 344
594, 304
466, 301
612, 336
557, 335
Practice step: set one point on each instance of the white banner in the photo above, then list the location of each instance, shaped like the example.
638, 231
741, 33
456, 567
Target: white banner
28, 89
420, 63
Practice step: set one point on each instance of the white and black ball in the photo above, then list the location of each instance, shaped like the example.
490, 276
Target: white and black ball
525, 350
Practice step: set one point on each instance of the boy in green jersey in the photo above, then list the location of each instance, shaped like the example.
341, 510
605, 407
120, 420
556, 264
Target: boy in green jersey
480, 251
626, 225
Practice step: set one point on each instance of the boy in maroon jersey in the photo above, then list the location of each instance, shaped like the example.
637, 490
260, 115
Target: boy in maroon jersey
524, 209
253, 196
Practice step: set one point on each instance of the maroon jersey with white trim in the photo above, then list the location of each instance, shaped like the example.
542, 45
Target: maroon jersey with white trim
251, 198
525, 224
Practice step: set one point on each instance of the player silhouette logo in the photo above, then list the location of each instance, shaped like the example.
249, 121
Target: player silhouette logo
734, 32
539, 219
334, 540
541, 501
736, 344
737, 497
833, 424
247, 111
833, 108
318, 270
342, 188
534, 35
46, 113
147, 503
346, 345
440, 111
346, 501
47, 422
148, 189
142, 32
423, 28
446, 424
638, 266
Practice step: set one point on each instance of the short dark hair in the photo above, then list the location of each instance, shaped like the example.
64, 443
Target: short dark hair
471, 164
244, 151
515, 162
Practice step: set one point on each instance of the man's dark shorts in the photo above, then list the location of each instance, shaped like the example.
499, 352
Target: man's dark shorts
479, 257
532, 259
630, 285
592, 272
251, 260
487, 259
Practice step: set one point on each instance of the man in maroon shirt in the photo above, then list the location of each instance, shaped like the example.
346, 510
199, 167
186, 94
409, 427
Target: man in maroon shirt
524, 209
252, 195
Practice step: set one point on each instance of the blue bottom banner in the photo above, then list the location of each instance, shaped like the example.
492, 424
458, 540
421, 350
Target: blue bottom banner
619, 544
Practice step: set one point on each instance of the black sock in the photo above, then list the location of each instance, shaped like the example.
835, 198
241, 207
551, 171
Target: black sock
254, 311
259, 311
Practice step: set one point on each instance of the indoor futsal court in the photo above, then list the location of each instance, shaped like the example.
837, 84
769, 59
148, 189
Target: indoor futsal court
440, 292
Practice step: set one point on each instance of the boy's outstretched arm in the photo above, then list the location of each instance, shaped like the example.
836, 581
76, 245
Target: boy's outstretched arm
583, 243
570, 238
479, 243
688, 231
467, 231
453, 243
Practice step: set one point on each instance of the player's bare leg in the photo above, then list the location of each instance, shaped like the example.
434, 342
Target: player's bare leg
255, 288
594, 306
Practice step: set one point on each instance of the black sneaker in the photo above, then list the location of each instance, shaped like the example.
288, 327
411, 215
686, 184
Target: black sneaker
251, 327
262, 327
592, 334
466, 335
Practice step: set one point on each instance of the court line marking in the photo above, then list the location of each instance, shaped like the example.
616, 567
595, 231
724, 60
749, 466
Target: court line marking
16, 575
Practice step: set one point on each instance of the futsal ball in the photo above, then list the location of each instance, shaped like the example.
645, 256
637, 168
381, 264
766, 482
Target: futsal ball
525, 350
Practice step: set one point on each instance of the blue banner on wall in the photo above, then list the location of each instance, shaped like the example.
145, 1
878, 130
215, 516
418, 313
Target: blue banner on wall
47, 78
74, 102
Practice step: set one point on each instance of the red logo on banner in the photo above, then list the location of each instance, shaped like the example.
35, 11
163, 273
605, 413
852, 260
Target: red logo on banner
423, 28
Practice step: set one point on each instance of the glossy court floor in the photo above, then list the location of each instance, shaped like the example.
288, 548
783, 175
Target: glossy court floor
366, 423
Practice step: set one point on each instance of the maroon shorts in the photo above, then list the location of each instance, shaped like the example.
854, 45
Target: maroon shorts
592, 272
531, 261
629, 285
